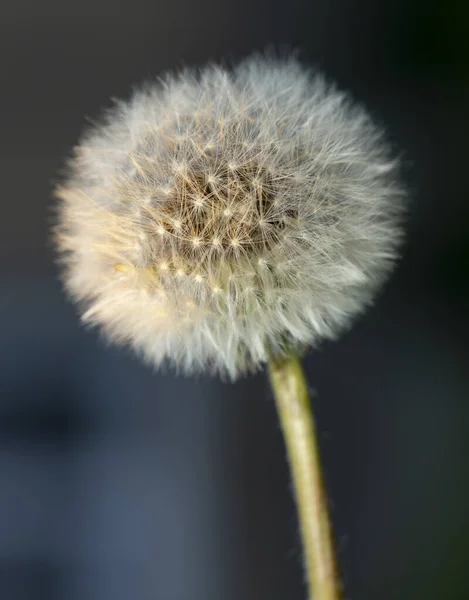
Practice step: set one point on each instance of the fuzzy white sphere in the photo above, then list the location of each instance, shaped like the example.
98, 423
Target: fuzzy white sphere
220, 216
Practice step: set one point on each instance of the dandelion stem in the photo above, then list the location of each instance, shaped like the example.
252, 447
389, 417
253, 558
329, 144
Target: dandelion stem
297, 421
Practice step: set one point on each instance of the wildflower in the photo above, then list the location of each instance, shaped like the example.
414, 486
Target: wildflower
221, 215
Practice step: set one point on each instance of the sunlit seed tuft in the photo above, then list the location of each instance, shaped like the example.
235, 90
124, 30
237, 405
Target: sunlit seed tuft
221, 215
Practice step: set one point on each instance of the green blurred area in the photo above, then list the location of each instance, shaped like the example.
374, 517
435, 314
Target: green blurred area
433, 38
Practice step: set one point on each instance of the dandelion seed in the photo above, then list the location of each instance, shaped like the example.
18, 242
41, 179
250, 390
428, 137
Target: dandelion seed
295, 213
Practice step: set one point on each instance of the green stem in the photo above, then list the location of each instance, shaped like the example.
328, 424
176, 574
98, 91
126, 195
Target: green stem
296, 418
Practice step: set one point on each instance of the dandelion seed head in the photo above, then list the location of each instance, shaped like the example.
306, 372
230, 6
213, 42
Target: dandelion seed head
220, 215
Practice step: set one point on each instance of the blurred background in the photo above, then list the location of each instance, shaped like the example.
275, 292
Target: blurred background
119, 483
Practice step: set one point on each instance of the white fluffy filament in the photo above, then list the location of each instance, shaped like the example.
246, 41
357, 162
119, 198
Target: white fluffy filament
220, 215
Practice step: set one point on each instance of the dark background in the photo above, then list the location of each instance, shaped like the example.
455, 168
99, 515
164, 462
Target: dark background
117, 483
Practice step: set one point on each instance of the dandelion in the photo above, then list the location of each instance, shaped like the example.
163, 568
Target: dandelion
264, 183
221, 218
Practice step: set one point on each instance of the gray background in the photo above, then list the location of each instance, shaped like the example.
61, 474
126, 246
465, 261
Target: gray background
119, 483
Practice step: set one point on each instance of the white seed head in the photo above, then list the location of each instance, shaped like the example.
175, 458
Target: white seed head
221, 215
